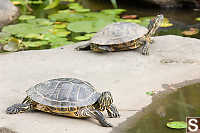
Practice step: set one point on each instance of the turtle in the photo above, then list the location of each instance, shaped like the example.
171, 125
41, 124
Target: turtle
123, 36
68, 97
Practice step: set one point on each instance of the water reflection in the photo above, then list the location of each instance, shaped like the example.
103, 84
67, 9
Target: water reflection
168, 106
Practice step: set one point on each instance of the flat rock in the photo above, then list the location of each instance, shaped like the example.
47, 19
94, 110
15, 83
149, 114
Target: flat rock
128, 75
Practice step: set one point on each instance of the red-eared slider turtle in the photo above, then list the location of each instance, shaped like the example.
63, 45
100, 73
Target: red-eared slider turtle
123, 36
68, 97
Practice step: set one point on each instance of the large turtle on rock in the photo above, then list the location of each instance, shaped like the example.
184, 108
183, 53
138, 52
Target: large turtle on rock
123, 36
67, 97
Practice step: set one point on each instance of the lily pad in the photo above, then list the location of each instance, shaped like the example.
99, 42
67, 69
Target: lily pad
4, 37
177, 124
166, 23
12, 45
60, 43
113, 11
82, 38
145, 20
22, 29
190, 32
197, 19
61, 32
87, 26
35, 43
40, 21
26, 17
90, 34
63, 17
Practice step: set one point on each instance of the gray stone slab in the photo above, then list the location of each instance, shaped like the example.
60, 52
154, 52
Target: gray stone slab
128, 75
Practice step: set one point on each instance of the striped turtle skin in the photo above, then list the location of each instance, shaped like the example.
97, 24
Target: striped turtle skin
68, 97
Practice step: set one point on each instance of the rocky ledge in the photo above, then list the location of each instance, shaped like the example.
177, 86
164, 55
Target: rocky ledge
128, 75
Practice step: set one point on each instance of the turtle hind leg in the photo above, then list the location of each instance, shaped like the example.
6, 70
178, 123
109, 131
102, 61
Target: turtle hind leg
96, 115
83, 47
25, 106
18, 108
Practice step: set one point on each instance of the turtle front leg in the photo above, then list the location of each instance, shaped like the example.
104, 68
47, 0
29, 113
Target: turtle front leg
83, 47
96, 115
145, 49
112, 111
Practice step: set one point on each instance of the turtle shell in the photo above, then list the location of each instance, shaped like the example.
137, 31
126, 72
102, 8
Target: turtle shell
118, 33
64, 92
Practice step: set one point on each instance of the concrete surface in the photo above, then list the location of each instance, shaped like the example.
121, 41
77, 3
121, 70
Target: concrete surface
128, 75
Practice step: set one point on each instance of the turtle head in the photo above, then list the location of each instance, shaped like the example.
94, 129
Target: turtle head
154, 24
105, 100
18, 108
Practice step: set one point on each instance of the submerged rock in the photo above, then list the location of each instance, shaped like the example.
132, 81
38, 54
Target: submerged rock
8, 12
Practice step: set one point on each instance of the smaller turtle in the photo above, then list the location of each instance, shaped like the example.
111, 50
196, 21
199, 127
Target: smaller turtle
123, 36
68, 97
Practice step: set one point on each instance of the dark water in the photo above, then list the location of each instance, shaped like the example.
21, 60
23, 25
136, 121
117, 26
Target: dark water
183, 19
166, 107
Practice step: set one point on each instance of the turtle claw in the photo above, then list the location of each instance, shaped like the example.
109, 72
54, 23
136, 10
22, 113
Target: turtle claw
145, 50
114, 114
106, 124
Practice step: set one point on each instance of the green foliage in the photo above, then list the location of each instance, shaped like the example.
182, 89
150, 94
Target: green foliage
197, 19
113, 11
26, 17
87, 26
177, 124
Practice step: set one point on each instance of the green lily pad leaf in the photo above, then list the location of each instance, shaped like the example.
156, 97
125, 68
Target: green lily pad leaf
12, 45
4, 37
33, 36
90, 35
74, 6
35, 43
166, 23
82, 38
65, 11
177, 124
60, 26
61, 32
129, 20
22, 29
113, 11
197, 19
26, 17
40, 21
63, 17
35, 2
52, 4
100, 16
60, 43
81, 10
87, 26
145, 20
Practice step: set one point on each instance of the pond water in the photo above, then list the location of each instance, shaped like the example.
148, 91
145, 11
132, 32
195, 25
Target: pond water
182, 19
167, 106
63, 25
